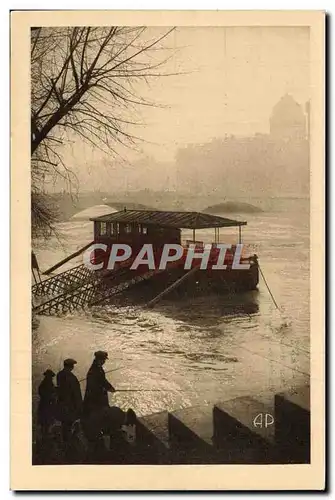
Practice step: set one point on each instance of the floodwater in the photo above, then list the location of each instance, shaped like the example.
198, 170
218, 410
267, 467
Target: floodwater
201, 350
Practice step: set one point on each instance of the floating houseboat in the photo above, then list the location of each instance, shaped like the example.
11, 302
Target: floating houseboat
94, 281
138, 228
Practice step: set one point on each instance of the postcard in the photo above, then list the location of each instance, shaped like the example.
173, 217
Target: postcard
167, 250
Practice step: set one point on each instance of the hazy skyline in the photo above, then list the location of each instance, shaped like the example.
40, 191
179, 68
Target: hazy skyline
234, 77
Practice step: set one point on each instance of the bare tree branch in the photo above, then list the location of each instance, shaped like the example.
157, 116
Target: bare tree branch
84, 81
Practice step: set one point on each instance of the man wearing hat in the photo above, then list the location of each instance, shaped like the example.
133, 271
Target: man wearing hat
69, 398
97, 386
47, 404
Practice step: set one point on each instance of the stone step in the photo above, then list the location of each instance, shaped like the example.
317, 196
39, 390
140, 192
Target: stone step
152, 438
292, 415
244, 431
191, 433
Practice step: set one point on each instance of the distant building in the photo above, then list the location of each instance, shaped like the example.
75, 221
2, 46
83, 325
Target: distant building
288, 120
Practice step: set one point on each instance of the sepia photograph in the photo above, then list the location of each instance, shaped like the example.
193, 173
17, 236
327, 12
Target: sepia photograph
170, 243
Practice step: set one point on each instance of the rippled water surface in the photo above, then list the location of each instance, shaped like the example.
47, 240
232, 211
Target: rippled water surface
195, 350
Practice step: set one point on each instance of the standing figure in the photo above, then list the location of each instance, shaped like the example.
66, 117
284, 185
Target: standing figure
47, 404
69, 398
97, 386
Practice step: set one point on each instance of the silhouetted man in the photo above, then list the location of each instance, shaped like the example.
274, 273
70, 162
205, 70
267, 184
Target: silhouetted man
69, 398
97, 386
47, 404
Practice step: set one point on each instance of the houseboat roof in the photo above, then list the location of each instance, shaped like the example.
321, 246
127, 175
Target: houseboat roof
185, 220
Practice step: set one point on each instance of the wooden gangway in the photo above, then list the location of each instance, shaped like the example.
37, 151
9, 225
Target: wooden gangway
63, 282
81, 288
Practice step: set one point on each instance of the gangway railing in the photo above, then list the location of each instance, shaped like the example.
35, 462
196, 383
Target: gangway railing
94, 290
62, 282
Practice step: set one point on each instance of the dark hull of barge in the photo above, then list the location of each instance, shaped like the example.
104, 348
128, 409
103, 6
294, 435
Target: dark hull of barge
198, 283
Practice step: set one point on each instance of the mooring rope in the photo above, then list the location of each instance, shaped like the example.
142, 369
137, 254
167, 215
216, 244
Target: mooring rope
267, 286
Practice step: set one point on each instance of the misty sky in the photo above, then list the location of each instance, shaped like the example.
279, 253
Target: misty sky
234, 77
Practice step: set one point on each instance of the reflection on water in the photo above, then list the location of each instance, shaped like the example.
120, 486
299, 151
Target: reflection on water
208, 310
202, 349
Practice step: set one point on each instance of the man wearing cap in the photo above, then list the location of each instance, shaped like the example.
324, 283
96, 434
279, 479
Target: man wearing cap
97, 386
69, 398
47, 404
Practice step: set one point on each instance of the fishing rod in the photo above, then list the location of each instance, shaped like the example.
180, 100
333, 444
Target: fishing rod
143, 390
115, 369
108, 371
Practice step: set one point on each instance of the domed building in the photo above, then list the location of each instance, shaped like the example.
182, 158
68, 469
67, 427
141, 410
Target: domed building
287, 120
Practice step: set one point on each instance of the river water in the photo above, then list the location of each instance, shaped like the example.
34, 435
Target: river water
201, 350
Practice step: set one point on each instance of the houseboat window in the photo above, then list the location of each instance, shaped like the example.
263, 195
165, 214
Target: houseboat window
144, 230
127, 228
103, 228
114, 228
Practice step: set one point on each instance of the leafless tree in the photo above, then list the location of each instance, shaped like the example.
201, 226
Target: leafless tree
43, 216
84, 83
